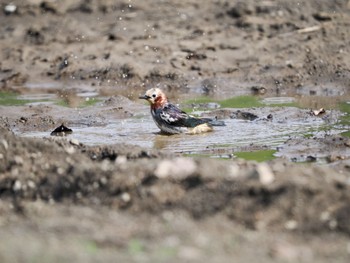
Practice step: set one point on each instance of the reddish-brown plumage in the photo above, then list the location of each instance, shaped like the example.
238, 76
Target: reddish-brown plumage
159, 101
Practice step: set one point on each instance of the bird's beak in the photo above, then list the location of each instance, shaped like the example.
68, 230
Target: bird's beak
144, 97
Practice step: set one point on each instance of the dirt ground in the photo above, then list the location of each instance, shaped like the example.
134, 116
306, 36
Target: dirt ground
63, 201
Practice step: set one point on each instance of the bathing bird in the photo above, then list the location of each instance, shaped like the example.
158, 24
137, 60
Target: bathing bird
172, 120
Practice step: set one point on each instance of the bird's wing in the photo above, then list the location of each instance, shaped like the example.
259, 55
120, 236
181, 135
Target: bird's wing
176, 117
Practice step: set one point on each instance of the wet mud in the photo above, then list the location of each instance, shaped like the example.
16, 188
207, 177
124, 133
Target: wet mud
272, 184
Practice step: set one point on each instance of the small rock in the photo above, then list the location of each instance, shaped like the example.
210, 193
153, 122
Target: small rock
48, 7
103, 180
74, 142
234, 171
243, 115
17, 186
311, 159
325, 216
10, 9
121, 159
266, 176
18, 159
318, 112
334, 157
125, 197
258, 90
23, 119
322, 16
60, 170
291, 225
69, 150
61, 131
347, 143
240, 9
178, 168
5, 144
95, 185
106, 165
31, 184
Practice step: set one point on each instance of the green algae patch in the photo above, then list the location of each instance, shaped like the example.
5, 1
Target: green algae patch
196, 155
91, 247
135, 247
245, 101
259, 156
241, 102
11, 99
345, 108
346, 134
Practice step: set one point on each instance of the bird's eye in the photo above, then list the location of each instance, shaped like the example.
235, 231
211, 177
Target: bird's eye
154, 95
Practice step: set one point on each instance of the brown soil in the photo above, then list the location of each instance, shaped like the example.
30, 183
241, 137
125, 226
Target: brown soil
62, 201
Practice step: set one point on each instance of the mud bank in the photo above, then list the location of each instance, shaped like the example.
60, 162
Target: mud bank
41, 179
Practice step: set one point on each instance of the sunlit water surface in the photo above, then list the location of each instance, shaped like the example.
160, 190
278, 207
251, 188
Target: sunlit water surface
237, 135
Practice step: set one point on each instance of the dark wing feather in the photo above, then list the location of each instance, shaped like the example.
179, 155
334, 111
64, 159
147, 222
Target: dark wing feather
176, 117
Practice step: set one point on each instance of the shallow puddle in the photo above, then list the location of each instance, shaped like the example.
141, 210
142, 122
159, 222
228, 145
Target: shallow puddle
237, 136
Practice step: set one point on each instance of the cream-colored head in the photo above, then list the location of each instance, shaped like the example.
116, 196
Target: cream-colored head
155, 97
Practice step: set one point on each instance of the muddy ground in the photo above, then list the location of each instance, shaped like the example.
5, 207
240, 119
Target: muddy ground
64, 201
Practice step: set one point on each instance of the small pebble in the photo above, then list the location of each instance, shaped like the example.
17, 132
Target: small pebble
103, 180
291, 225
10, 8
177, 168
266, 175
318, 112
126, 197
17, 186
18, 159
74, 142
70, 150
31, 184
5, 144
61, 131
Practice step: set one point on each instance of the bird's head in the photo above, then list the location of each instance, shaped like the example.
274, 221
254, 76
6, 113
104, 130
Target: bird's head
155, 97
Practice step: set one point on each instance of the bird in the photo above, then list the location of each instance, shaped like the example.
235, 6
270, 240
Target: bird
172, 120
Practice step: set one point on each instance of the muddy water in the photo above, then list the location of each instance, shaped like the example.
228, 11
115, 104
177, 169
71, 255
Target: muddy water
237, 135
